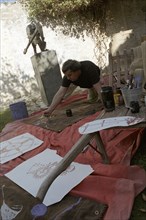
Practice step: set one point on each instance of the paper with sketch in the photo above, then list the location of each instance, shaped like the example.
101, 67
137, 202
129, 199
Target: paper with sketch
37, 168
17, 146
101, 124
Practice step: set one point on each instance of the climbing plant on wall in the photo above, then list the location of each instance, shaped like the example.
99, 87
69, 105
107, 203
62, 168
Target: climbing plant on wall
73, 17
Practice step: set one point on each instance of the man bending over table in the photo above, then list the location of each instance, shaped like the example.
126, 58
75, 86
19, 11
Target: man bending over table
84, 74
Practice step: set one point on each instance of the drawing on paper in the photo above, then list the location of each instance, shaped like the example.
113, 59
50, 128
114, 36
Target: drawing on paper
38, 167
101, 124
39, 170
15, 147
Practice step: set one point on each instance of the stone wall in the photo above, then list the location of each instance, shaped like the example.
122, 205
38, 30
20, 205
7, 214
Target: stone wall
17, 78
125, 25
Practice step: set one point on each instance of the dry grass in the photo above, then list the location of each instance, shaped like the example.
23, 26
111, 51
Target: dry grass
5, 117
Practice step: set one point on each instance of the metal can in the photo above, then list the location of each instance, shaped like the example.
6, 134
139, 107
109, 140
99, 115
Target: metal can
108, 98
134, 105
117, 99
68, 112
145, 100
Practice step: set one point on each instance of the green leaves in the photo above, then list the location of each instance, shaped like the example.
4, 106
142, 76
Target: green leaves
73, 16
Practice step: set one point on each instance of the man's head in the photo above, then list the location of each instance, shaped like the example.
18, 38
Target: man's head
72, 69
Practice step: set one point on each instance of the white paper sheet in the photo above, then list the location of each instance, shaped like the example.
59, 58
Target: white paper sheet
17, 146
101, 124
31, 173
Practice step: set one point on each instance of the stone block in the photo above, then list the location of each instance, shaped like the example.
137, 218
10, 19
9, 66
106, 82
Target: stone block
47, 73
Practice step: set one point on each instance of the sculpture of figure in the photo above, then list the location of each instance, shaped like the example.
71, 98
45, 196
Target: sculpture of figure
35, 35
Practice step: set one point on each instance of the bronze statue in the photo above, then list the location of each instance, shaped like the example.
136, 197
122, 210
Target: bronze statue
35, 35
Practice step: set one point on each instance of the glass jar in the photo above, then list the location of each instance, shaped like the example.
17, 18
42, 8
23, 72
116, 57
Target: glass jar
118, 98
107, 98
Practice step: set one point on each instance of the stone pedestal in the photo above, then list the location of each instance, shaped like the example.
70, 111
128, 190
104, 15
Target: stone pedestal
47, 73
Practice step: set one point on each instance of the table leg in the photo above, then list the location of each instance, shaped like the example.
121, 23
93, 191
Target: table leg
68, 159
101, 147
63, 164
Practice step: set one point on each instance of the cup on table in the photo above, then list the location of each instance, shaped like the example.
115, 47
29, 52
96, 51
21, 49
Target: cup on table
108, 98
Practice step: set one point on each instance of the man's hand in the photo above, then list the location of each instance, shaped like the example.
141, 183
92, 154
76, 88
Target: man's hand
56, 100
47, 112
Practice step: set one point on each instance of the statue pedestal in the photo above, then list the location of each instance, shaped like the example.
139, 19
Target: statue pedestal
47, 73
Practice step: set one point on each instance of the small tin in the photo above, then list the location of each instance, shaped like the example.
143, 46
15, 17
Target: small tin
134, 106
145, 100
117, 99
68, 112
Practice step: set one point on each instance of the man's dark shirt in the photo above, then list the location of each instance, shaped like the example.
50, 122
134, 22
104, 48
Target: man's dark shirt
90, 75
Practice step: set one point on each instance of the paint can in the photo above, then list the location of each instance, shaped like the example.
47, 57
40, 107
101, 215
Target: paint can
108, 98
145, 100
18, 110
134, 105
68, 112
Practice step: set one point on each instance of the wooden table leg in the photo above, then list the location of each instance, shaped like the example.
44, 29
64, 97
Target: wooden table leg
101, 147
63, 164
68, 159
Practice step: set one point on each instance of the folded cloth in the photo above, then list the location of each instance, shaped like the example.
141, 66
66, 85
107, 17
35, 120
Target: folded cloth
13, 197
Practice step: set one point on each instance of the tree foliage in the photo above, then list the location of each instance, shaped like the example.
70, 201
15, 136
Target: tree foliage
73, 17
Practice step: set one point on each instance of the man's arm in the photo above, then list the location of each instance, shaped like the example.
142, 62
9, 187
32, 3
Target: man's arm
31, 37
56, 100
97, 87
40, 30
